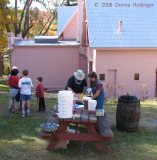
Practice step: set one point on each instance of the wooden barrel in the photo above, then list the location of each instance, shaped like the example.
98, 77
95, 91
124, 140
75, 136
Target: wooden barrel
128, 114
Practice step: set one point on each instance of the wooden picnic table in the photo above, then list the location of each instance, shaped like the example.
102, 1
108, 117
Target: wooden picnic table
97, 127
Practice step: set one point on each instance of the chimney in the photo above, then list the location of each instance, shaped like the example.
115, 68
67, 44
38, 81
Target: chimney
120, 26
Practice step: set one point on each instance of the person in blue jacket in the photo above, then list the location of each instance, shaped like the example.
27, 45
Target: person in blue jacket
97, 90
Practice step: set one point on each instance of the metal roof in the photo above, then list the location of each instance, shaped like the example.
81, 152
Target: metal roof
20, 42
64, 15
139, 23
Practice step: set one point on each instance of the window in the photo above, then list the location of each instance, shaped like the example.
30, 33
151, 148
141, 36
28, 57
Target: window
136, 76
102, 77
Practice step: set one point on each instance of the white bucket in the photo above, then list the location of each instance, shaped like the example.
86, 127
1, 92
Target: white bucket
92, 105
65, 104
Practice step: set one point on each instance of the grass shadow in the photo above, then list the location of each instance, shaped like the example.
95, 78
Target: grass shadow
19, 138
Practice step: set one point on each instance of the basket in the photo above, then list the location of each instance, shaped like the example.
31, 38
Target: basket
49, 127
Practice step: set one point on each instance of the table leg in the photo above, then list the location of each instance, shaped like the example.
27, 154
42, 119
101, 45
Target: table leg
100, 147
76, 128
53, 142
91, 129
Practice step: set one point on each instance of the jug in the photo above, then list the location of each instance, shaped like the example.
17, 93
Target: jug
92, 105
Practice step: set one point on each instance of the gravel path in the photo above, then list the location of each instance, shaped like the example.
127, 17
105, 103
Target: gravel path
47, 95
149, 123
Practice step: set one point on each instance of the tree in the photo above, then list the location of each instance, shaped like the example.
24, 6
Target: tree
53, 15
26, 21
5, 25
23, 23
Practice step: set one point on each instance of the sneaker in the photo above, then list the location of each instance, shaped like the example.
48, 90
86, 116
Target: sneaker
23, 116
10, 109
28, 114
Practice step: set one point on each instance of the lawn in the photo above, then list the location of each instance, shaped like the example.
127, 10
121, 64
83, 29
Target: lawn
3, 86
19, 139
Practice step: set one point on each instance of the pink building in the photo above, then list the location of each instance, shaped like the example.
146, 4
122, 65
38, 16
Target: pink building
118, 41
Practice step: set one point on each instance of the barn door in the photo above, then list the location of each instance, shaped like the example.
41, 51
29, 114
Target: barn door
111, 87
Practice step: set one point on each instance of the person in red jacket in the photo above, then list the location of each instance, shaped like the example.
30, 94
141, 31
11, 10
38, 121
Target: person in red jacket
40, 94
13, 83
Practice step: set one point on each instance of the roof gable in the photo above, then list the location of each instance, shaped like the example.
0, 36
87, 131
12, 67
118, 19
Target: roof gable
64, 15
139, 23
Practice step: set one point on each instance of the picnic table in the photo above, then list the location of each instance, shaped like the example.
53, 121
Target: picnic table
98, 129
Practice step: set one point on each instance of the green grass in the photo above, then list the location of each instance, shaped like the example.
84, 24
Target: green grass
3, 86
19, 139
148, 108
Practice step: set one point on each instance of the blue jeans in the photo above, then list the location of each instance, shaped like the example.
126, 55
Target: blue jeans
100, 100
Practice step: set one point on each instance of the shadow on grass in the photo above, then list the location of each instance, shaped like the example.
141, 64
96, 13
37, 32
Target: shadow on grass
14, 127
19, 138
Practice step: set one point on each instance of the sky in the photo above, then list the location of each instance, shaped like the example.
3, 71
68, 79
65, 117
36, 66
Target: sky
34, 4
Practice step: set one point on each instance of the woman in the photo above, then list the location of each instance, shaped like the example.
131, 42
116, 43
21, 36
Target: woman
97, 90
77, 83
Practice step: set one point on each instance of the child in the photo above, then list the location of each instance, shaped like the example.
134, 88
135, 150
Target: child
13, 83
40, 94
7, 79
25, 84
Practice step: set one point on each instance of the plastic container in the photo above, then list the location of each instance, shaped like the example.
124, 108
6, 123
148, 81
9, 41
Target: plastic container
80, 106
65, 104
100, 112
92, 105
87, 98
76, 105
